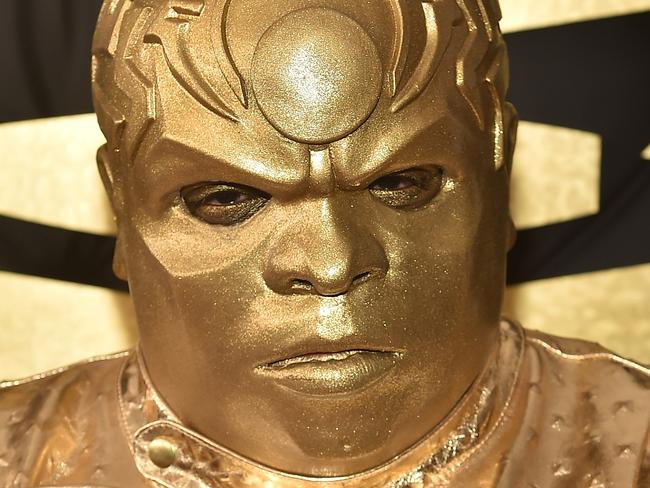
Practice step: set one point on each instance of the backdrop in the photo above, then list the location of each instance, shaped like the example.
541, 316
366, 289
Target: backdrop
581, 198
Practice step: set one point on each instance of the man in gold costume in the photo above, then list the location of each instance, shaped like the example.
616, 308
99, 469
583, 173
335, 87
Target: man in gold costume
312, 204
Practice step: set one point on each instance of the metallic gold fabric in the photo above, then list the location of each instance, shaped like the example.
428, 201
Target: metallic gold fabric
579, 412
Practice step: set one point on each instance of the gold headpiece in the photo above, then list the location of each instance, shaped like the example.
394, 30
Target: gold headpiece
316, 69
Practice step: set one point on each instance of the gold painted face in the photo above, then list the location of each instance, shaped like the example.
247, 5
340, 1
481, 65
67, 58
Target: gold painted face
312, 209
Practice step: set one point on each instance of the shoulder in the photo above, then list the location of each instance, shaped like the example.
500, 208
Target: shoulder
75, 383
582, 359
55, 420
591, 408
590, 374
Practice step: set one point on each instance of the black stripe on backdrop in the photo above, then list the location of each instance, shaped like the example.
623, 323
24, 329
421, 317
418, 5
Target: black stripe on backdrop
45, 57
592, 76
51, 252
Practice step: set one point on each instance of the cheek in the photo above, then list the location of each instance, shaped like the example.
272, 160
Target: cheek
192, 285
446, 277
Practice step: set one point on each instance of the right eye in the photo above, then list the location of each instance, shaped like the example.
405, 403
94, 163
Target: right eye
409, 189
223, 203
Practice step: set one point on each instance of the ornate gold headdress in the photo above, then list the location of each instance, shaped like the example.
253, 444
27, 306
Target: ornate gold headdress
228, 54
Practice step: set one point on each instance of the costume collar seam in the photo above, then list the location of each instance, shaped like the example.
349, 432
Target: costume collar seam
590, 356
54, 372
122, 407
508, 403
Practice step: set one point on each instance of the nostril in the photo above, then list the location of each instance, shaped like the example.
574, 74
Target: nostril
301, 286
361, 278
297, 285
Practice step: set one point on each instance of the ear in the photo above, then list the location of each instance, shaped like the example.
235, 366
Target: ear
104, 165
511, 122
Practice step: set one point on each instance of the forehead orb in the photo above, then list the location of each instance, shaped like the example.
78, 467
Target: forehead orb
316, 75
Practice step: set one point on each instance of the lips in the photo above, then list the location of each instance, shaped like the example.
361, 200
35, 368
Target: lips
331, 373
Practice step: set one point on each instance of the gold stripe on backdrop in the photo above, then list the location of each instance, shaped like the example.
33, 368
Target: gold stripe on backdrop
49, 173
610, 307
47, 324
556, 175
521, 15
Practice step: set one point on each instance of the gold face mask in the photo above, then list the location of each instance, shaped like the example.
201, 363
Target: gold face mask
312, 208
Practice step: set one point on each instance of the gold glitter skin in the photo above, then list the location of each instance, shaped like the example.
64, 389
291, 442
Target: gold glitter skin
312, 209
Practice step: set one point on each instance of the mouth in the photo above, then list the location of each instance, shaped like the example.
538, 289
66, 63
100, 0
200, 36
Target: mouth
331, 373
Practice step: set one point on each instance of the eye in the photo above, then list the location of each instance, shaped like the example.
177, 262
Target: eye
223, 203
409, 189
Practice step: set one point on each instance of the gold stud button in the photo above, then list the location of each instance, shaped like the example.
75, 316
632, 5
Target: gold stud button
162, 452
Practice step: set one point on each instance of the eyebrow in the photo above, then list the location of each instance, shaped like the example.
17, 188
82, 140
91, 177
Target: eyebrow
279, 176
378, 164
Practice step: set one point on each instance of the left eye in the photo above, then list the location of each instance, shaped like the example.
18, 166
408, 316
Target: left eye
223, 203
408, 189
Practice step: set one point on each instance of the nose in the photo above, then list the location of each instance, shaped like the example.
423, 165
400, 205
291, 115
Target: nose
327, 252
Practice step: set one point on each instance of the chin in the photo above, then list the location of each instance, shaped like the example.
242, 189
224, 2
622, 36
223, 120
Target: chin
344, 434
